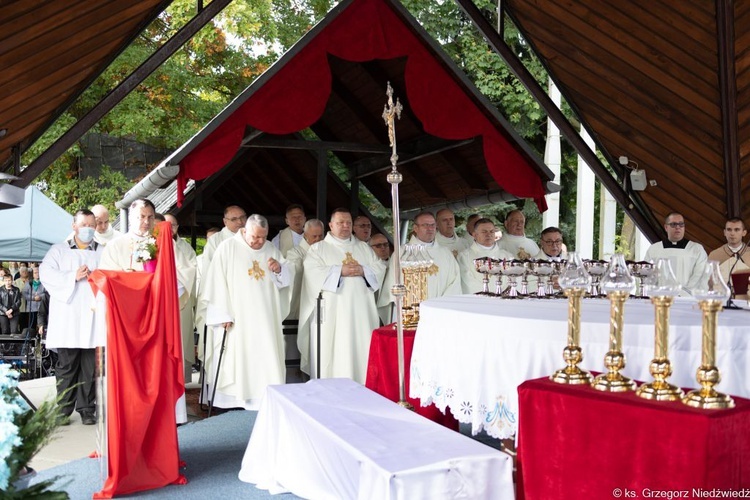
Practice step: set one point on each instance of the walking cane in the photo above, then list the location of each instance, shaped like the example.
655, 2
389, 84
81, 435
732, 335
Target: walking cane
218, 368
203, 367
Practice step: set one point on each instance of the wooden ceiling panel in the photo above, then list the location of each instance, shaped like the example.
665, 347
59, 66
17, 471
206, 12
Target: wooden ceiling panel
51, 52
644, 77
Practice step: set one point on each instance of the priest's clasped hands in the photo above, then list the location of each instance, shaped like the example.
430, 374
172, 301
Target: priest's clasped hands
352, 270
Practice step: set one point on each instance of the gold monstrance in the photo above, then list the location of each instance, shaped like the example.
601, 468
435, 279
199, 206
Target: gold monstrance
392, 111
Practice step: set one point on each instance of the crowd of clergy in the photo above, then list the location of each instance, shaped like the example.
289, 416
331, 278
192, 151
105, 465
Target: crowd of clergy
335, 281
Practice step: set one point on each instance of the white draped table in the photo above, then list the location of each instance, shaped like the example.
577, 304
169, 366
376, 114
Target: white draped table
471, 352
336, 439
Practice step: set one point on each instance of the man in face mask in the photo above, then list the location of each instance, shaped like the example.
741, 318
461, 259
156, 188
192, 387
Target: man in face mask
64, 273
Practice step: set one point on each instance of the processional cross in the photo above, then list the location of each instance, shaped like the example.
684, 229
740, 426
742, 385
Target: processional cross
392, 111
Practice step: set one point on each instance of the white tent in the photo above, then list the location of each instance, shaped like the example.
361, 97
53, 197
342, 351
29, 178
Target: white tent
27, 232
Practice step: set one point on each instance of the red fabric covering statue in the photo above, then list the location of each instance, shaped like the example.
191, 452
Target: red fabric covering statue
144, 373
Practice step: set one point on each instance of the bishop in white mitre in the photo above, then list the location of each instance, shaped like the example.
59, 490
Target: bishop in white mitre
347, 273
248, 293
484, 246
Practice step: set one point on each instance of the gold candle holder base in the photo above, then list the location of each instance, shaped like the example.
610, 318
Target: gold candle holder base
613, 380
406, 404
571, 374
660, 389
707, 397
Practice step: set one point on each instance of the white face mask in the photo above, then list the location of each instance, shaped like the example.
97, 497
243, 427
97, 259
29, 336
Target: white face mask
86, 234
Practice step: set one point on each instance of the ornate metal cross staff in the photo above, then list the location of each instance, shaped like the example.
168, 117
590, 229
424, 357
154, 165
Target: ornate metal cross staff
391, 112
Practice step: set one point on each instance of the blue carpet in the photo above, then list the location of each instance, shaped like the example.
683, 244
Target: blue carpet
212, 448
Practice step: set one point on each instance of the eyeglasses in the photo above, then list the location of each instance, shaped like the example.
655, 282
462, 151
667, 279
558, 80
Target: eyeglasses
675, 225
380, 245
553, 242
236, 219
368, 226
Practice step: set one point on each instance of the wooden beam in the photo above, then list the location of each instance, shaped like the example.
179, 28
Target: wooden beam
353, 147
640, 214
728, 91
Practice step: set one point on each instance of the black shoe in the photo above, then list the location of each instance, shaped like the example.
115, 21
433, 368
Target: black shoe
88, 418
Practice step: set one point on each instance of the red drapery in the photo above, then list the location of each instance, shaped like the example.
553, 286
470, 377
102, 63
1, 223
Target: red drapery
144, 378
576, 442
382, 373
295, 97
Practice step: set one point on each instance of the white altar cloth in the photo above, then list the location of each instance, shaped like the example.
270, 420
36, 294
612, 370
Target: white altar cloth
336, 439
471, 352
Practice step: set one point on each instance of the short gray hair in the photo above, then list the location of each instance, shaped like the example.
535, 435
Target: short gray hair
313, 222
256, 220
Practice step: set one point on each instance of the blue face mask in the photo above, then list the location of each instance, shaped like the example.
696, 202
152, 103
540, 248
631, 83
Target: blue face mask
86, 234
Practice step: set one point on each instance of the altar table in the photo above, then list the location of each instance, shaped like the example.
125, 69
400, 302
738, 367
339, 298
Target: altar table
382, 372
335, 439
471, 352
575, 442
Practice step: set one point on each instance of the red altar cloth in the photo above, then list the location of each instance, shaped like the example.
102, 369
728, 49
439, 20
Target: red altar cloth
144, 374
382, 372
576, 442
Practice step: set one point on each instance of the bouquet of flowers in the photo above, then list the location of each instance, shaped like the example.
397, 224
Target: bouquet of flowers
146, 249
23, 432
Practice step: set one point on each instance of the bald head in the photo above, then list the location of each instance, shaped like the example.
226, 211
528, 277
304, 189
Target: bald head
446, 222
102, 218
362, 228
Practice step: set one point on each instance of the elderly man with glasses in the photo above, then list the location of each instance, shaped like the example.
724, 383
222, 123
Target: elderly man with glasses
553, 247
688, 258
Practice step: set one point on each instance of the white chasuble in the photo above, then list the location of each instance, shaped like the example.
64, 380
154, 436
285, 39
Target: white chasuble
471, 279
296, 256
349, 313
186, 265
520, 247
241, 289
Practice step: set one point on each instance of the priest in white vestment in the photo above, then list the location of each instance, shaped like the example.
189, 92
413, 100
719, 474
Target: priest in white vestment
313, 233
443, 277
470, 221
514, 239
104, 230
71, 327
733, 257
446, 232
234, 219
347, 273
382, 248
484, 246
248, 289
688, 258
186, 265
291, 236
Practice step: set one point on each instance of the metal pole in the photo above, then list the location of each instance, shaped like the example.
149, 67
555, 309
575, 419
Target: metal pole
319, 321
218, 368
392, 111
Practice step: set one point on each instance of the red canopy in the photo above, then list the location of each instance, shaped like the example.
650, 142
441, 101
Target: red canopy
295, 97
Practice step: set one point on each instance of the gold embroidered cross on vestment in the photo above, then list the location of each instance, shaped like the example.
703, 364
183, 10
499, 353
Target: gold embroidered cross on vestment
256, 272
349, 259
433, 269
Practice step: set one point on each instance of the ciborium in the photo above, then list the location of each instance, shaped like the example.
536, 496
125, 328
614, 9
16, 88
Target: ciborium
663, 287
596, 269
514, 269
642, 271
574, 281
617, 284
482, 265
711, 293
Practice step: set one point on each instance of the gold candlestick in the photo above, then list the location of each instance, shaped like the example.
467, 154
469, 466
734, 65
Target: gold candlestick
661, 368
708, 374
617, 283
573, 354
